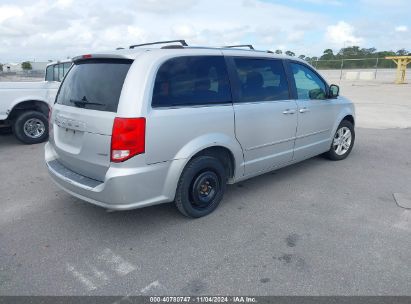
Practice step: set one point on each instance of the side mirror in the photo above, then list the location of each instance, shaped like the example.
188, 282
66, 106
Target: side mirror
334, 91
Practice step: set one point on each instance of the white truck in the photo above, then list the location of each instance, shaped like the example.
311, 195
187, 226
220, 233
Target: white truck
24, 106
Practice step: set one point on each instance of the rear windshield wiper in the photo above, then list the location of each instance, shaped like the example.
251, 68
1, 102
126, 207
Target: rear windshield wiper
85, 102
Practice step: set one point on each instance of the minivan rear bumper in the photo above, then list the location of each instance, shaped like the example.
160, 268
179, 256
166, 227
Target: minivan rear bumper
122, 188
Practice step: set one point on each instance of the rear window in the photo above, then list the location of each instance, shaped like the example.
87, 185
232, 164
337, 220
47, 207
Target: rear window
94, 84
192, 81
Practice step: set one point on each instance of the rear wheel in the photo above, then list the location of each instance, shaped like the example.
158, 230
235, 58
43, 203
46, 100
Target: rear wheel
31, 127
343, 141
201, 187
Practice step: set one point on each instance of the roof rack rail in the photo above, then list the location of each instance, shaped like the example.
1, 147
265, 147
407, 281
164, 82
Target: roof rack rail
239, 45
183, 43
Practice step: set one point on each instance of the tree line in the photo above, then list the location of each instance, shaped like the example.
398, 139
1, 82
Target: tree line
329, 60
368, 58
26, 66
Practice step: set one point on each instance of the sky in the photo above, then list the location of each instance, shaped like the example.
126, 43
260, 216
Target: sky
44, 30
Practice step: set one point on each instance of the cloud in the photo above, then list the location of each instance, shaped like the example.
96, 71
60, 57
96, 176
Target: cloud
342, 34
184, 30
164, 6
295, 36
48, 29
396, 4
324, 2
401, 28
64, 3
9, 11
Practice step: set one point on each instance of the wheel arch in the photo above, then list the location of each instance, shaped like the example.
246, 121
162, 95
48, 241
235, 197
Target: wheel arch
223, 154
349, 118
346, 114
29, 105
219, 145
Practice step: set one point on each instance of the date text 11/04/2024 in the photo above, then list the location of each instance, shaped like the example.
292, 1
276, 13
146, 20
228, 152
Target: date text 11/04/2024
203, 299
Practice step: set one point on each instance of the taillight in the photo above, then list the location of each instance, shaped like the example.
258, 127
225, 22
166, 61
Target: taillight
128, 138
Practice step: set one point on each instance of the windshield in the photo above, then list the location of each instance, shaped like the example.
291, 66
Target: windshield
94, 84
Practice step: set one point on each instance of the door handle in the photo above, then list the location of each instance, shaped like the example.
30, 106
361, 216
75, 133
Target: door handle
303, 110
288, 111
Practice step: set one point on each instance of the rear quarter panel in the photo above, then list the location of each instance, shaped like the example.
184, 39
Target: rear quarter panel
179, 132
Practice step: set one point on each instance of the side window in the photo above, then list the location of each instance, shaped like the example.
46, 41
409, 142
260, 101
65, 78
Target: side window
66, 67
308, 84
261, 79
61, 72
49, 73
56, 72
192, 80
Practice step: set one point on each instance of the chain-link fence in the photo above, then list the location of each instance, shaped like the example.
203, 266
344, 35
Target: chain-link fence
365, 63
36, 75
378, 69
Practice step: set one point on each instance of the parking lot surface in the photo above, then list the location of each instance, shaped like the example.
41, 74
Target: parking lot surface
315, 228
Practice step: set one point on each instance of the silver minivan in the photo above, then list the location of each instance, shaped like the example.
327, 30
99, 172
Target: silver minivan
143, 126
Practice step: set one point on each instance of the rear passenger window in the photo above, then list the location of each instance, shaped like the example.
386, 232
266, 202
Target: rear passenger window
261, 79
187, 81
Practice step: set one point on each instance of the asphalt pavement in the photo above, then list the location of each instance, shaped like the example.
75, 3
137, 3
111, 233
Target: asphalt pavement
315, 228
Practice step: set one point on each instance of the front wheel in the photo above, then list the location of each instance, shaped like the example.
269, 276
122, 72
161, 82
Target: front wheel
201, 187
31, 127
343, 141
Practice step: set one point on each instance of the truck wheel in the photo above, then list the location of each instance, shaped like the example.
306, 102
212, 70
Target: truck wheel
201, 187
31, 127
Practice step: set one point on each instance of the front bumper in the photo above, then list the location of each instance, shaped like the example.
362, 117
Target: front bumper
122, 188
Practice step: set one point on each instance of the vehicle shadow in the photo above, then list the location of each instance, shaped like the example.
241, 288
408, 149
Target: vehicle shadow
134, 222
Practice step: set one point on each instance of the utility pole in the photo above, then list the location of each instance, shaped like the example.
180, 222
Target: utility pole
376, 69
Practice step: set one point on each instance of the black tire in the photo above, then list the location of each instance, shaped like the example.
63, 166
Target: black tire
39, 120
201, 187
333, 153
